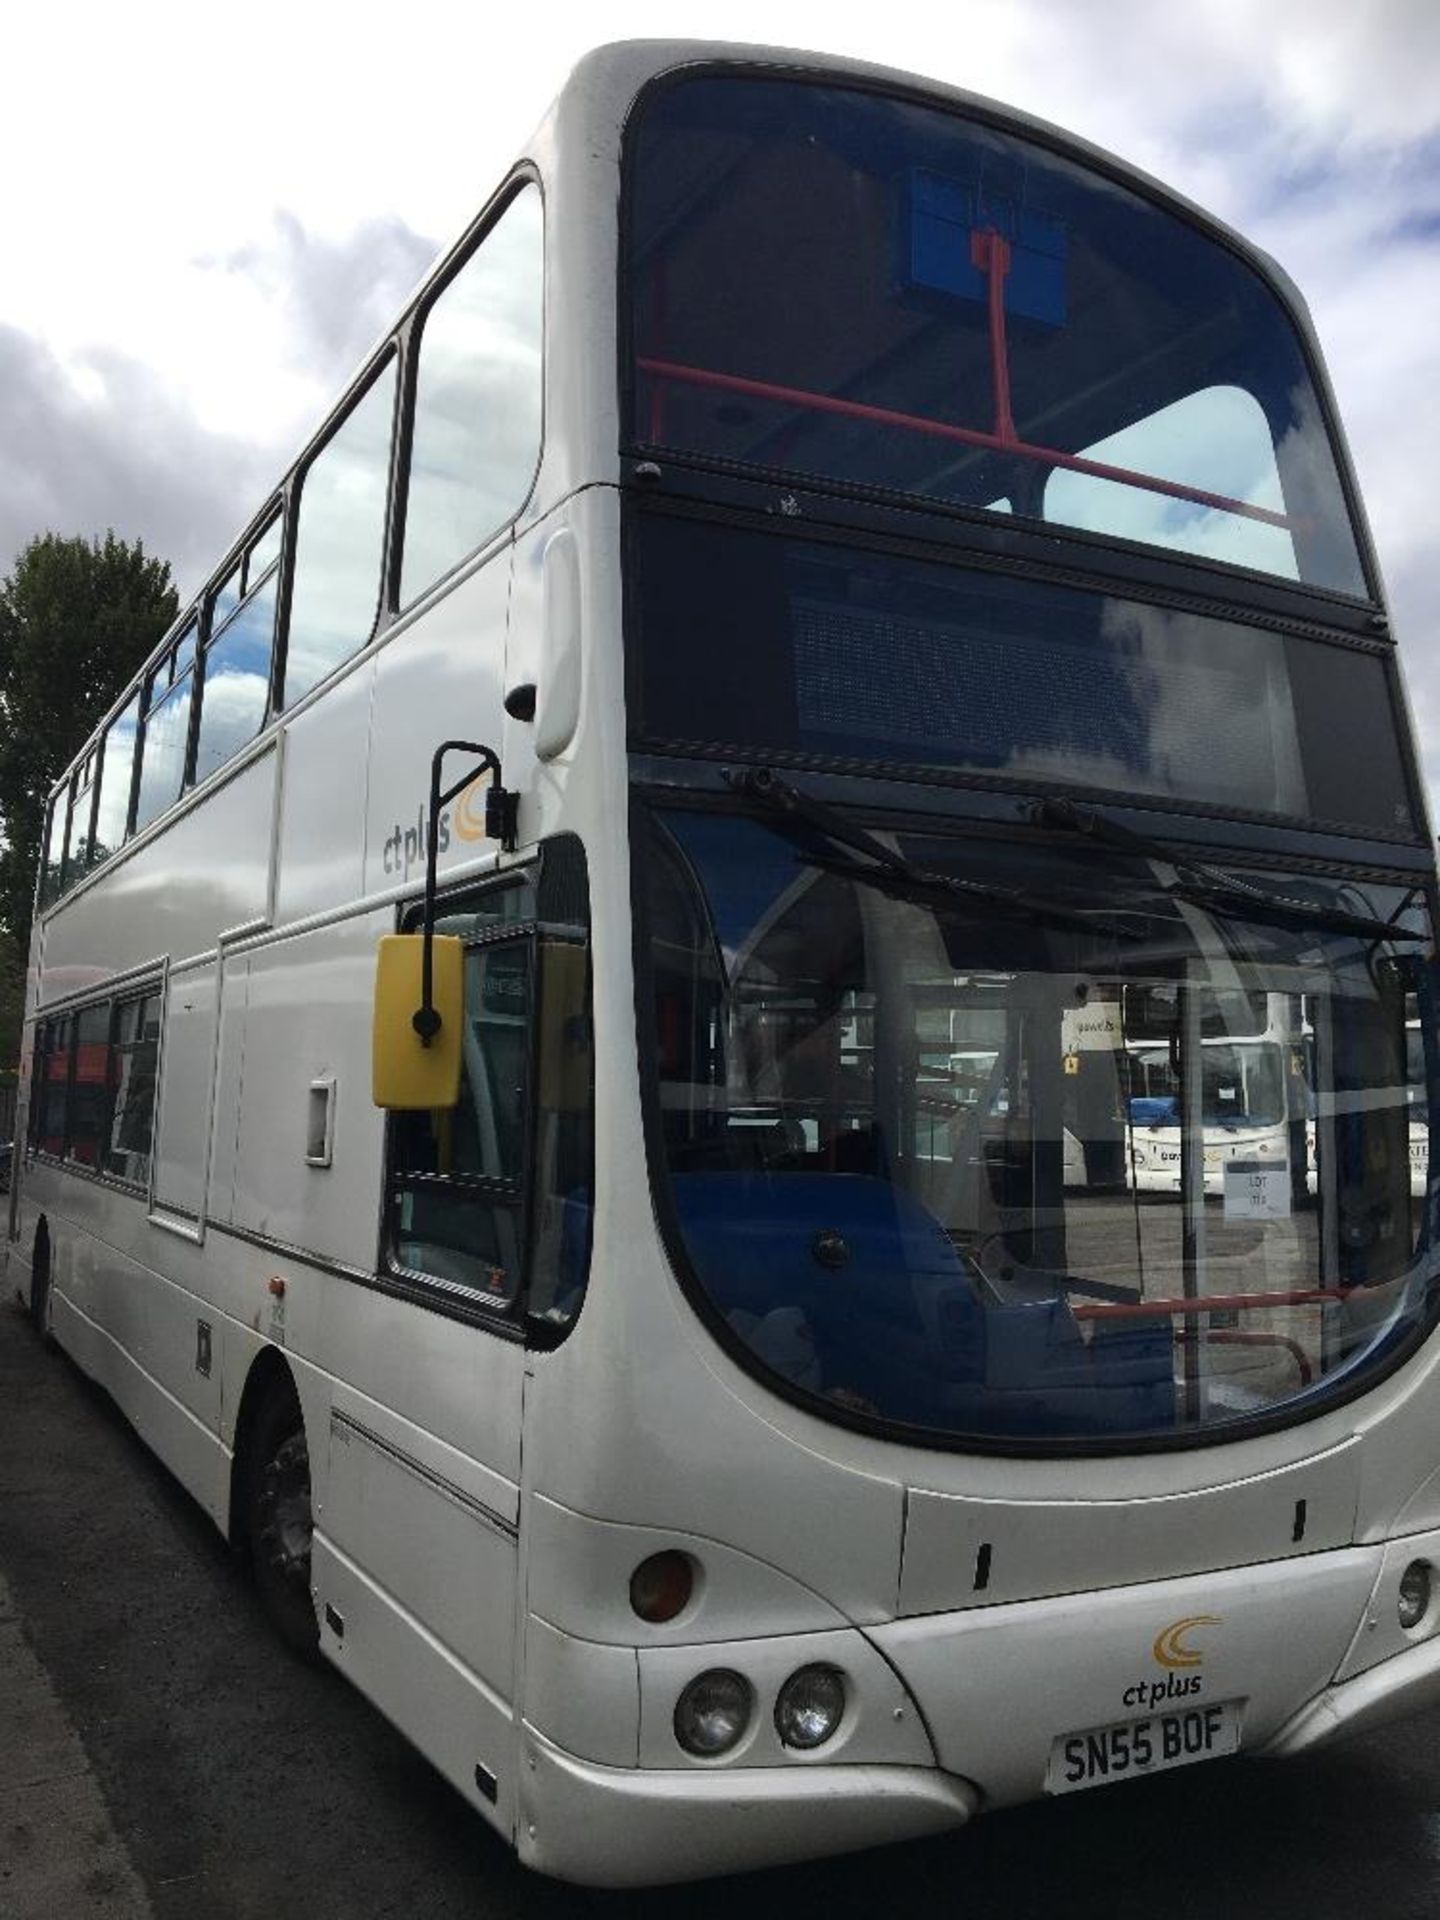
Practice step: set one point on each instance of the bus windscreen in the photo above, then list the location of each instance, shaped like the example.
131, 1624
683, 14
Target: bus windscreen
855, 287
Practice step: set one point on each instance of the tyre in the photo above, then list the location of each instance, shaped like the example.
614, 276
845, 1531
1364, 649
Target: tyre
40, 1287
278, 1519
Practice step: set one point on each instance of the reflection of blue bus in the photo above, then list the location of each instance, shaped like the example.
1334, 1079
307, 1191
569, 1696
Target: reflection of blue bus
1244, 1109
1124, 1110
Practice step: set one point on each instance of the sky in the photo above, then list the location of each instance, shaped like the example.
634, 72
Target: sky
207, 217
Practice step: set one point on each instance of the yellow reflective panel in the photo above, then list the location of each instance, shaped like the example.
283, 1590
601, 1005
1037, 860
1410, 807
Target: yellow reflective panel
406, 1076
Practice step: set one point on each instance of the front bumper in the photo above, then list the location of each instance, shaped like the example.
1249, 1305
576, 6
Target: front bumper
1405, 1683
1302, 1650
627, 1827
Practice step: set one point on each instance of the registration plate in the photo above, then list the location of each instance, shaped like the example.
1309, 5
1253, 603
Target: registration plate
1130, 1748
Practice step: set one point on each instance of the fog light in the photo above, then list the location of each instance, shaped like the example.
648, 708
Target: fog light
713, 1712
660, 1587
1414, 1594
809, 1707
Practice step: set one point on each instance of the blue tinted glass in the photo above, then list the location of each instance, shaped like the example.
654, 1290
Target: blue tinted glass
236, 682
184, 651
162, 758
77, 840
845, 285
340, 541
227, 598
54, 847
264, 554
925, 1162
116, 771
477, 399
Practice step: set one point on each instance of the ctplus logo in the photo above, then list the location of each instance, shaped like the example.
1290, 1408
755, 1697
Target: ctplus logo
404, 847
1172, 1650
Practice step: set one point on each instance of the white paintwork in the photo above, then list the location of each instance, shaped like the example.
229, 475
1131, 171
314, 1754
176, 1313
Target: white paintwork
583, 1697
482, 1584
558, 694
613, 1827
439, 679
996, 1697
322, 809
182, 1131
306, 996
579, 1578
174, 893
1035, 1546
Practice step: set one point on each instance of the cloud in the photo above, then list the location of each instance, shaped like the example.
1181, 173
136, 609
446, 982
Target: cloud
338, 296
98, 438
102, 442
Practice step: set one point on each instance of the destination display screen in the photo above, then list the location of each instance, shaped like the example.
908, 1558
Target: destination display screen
763, 643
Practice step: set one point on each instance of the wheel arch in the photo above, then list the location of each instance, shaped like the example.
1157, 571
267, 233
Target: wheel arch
270, 1375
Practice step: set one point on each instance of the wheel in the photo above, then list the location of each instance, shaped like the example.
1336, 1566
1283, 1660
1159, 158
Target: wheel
278, 1519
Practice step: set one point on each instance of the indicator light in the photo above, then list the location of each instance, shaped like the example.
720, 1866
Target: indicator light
1414, 1602
660, 1587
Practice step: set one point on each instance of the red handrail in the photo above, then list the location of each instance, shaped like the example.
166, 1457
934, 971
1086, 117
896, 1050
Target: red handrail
968, 436
1206, 1303
1238, 1337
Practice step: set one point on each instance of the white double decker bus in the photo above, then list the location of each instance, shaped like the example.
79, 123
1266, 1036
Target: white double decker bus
829, 578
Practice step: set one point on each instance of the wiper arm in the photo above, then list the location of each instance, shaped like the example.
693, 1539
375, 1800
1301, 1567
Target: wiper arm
883, 868
1207, 886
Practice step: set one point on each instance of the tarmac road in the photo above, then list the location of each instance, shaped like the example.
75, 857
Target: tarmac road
228, 1781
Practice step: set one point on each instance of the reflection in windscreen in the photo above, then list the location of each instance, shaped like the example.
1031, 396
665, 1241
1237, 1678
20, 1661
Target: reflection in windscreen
1133, 1170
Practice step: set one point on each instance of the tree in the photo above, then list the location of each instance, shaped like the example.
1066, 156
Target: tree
77, 618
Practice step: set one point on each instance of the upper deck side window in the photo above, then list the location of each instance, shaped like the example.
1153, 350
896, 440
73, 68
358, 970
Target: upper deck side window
477, 421
77, 835
117, 777
843, 285
165, 700
236, 664
340, 539
51, 864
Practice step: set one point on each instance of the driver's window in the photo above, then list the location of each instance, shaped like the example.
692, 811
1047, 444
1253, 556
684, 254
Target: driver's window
490, 1202
458, 1176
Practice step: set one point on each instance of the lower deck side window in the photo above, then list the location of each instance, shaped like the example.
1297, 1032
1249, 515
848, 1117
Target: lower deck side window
93, 1087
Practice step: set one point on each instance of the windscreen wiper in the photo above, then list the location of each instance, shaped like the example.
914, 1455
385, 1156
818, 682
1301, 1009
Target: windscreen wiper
869, 861
1207, 886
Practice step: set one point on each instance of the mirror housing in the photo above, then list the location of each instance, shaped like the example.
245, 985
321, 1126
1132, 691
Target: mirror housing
409, 1074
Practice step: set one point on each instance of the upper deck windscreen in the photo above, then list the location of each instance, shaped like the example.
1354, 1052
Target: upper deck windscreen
840, 284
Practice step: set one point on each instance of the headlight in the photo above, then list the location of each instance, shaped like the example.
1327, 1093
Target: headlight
810, 1706
1414, 1601
713, 1712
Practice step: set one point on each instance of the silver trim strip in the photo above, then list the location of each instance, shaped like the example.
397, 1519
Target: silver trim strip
342, 1422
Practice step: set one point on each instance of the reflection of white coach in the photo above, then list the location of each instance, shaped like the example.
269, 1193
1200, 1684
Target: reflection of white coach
1419, 1148
1243, 1103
